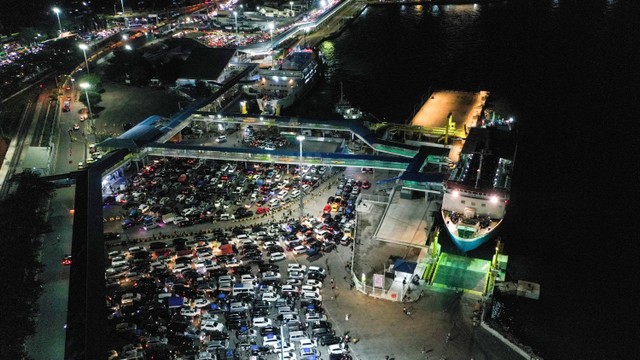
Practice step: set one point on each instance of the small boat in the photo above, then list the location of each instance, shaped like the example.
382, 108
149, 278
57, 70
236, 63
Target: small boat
344, 108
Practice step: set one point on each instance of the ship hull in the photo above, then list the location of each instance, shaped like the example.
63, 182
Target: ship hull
468, 244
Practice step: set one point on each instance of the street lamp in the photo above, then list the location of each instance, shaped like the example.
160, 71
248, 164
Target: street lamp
291, 4
124, 17
235, 15
84, 48
300, 139
57, 11
271, 26
86, 86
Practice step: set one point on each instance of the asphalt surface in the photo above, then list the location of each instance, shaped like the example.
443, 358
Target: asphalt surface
381, 325
70, 148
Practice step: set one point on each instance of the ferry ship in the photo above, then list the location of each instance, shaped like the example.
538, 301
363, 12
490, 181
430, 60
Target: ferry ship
476, 194
279, 87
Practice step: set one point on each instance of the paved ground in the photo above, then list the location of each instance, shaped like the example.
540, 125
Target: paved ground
49, 340
130, 104
380, 324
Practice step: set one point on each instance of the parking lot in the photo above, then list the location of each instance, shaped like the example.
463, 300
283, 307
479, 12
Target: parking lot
233, 292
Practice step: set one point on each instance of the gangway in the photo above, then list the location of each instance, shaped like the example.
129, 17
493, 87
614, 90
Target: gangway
277, 156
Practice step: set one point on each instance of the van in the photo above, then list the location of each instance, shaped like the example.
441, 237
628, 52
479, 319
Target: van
162, 296
285, 310
242, 289
118, 262
135, 249
297, 336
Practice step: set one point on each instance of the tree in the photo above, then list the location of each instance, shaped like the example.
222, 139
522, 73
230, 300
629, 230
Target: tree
28, 36
94, 98
93, 79
22, 220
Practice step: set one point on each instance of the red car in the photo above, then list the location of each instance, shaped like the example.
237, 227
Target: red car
366, 184
327, 209
66, 260
262, 210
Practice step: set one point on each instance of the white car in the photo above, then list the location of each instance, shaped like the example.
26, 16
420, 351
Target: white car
310, 288
271, 275
201, 302
268, 244
311, 296
314, 282
271, 341
269, 296
296, 275
247, 278
262, 322
296, 267
289, 356
300, 250
318, 270
186, 311
179, 267
238, 307
209, 317
313, 317
274, 203
277, 256
211, 326
286, 347
308, 343
289, 289
337, 349
308, 353
294, 282
144, 208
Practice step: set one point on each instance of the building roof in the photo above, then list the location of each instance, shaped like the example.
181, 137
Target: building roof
404, 266
206, 63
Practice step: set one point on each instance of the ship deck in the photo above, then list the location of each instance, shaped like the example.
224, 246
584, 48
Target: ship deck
465, 107
462, 273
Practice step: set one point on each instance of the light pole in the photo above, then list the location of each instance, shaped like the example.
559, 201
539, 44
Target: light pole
86, 87
57, 11
300, 139
271, 26
84, 48
291, 4
306, 32
235, 15
124, 17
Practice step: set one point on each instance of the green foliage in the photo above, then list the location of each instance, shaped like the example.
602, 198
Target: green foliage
28, 35
93, 79
22, 220
94, 98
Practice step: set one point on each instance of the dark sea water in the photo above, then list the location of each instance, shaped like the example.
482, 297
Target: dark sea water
568, 72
